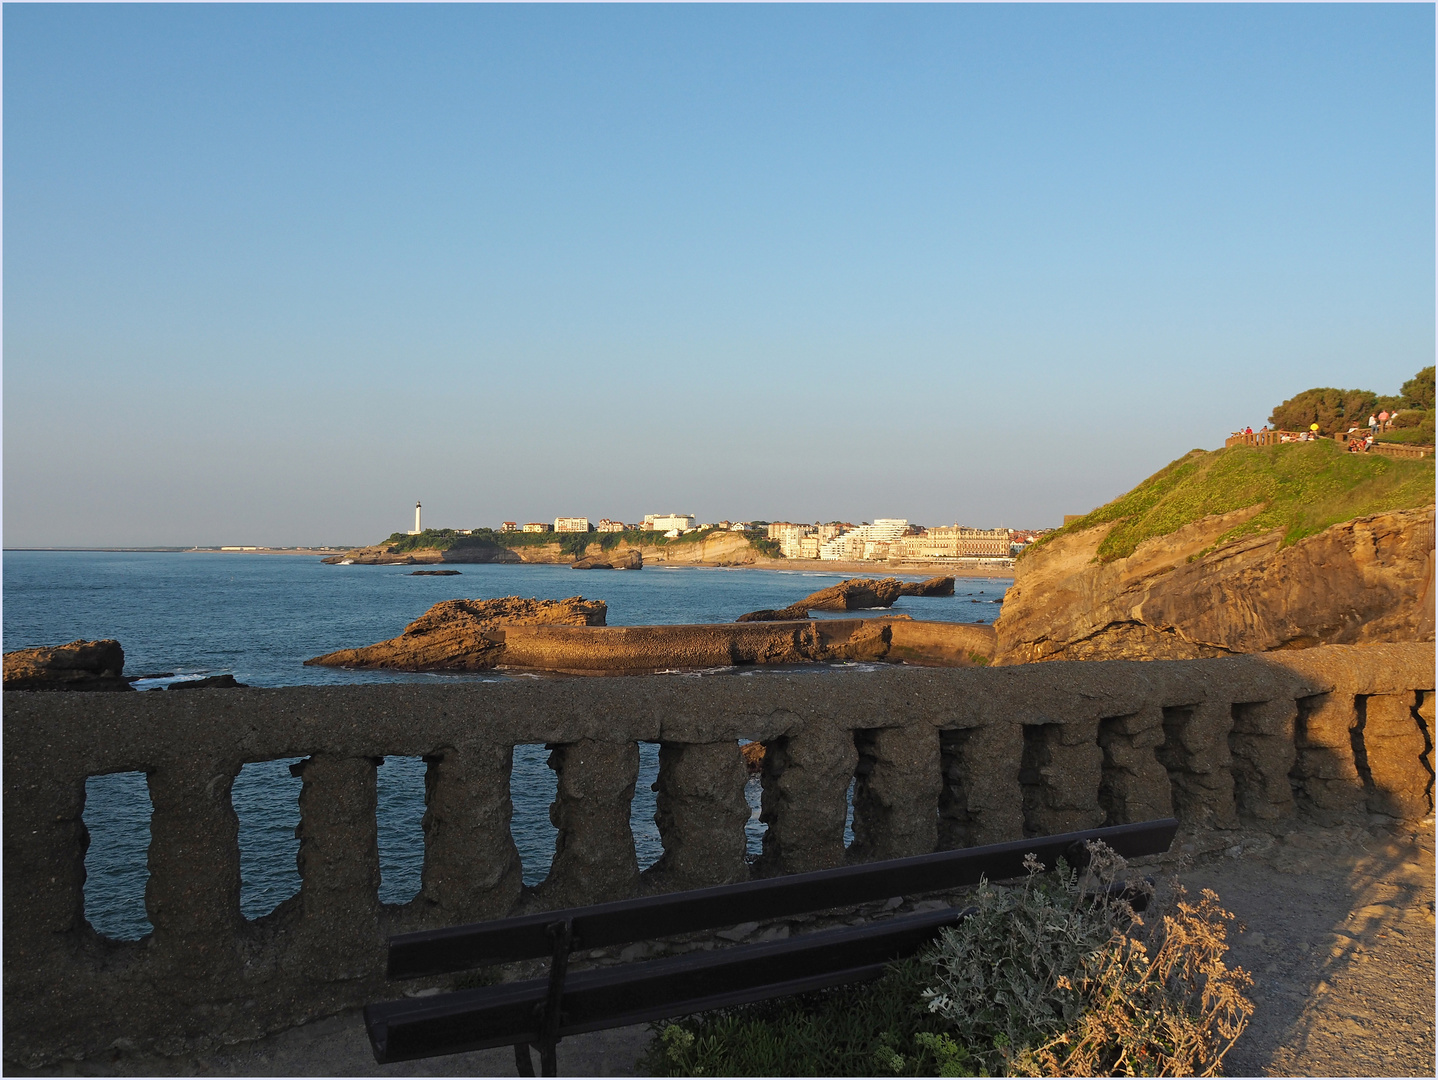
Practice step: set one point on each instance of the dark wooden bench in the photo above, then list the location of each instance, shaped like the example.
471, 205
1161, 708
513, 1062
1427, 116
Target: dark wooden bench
539, 1012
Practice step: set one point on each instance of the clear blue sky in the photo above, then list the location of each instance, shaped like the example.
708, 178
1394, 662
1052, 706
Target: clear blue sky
271, 274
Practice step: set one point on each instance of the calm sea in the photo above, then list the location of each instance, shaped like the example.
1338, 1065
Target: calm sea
259, 617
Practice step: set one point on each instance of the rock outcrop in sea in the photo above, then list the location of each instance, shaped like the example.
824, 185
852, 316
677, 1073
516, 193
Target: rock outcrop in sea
628, 559
80, 665
855, 594
465, 635
1370, 579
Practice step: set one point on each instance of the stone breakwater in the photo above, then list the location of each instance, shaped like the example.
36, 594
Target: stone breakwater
569, 636
936, 759
465, 635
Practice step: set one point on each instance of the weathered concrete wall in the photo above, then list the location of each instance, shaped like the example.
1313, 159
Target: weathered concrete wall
938, 757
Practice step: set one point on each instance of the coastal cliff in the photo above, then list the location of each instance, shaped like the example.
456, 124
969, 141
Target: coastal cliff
587, 551
1135, 580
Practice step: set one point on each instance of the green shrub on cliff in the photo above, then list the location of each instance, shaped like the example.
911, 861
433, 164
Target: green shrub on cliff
438, 539
1303, 488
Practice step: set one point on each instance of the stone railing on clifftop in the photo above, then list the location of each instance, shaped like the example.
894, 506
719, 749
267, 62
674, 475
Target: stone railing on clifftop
939, 759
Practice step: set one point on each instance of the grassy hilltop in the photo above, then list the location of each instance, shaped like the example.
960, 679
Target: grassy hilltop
1305, 488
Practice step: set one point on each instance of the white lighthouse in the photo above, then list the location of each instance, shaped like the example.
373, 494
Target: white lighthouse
416, 530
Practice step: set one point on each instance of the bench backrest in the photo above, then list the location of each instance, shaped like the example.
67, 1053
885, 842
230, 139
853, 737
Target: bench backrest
435, 952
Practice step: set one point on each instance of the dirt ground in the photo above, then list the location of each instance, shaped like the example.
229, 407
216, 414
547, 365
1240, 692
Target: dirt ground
1336, 926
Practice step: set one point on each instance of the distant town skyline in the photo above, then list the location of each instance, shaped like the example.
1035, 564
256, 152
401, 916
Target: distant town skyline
274, 272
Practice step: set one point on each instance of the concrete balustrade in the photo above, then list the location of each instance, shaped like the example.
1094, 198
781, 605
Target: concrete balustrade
936, 759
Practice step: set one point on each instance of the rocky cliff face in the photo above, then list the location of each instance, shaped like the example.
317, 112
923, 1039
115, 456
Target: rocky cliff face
716, 549
1365, 580
388, 554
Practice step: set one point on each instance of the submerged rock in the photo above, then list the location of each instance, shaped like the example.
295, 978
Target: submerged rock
80, 665
433, 573
211, 682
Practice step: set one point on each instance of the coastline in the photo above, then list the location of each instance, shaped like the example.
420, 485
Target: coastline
156, 550
802, 566
875, 569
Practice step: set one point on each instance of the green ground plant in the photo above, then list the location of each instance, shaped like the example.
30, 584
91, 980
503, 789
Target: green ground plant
1055, 977
1303, 488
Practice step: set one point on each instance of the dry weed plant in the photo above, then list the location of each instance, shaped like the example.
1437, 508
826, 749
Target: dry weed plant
1060, 977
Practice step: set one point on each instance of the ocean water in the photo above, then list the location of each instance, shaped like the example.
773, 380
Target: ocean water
259, 617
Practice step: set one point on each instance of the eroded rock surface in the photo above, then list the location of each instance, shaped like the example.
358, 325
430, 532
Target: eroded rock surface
389, 555
80, 665
569, 636
465, 635
1361, 581
855, 594
629, 559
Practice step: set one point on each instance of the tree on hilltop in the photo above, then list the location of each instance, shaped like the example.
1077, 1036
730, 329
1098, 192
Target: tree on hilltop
1332, 410
1418, 391
1338, 410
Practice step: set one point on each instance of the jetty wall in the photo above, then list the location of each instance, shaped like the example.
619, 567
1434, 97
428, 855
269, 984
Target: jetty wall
938, 758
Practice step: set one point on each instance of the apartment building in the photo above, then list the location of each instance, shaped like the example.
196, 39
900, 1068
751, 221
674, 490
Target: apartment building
571, 524
605, 525
537, 526
509, 526
853, 543
666, 522
954, 542
789, 536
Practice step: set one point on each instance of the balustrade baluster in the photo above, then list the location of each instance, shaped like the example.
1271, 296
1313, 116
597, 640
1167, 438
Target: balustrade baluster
1326, 768
45, 842
471, 865
982, 800
805, 804
193, 896
1394, 746
1061, 773
1196, 754
895, 801
339, 867
1135, 785
701, 812
594, 858
1263, 758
